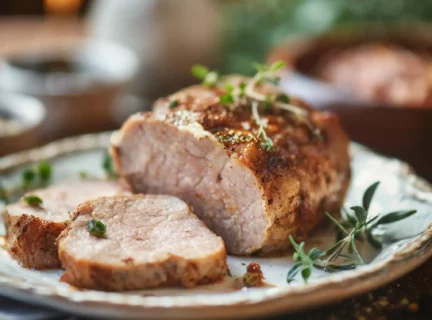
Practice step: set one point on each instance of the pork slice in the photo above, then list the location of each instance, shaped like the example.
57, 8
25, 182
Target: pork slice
32, 230
150, 241
212, 157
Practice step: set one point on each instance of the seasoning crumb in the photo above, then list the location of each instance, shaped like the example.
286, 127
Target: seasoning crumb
253, 276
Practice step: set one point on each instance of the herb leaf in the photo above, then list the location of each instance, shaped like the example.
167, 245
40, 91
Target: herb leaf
96, 227
44, 172
368, 195
28, 176
395, 216
226, 98
107, 165
208, 78
173, 103
199, 71
33, 200
303, 261
267, 143
3, 195
283, 98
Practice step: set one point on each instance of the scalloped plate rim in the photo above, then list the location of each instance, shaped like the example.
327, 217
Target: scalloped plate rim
252, 302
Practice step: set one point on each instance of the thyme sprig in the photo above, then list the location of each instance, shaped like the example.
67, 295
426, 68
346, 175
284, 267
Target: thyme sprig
239, 95
303, 261
208, 77
353, 226
266, 143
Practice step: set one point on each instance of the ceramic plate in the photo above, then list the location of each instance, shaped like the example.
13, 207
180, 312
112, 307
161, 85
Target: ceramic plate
409, 245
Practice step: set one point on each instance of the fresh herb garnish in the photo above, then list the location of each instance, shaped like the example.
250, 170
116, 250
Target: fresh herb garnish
266, 143
247, 91
44, 172
228, 97
303, 262
107, 165
267, 72
96, 227
209, 78
28, 176
36, 177
354, 226
283, 98
33, 200
83, 175
173, 103
3, 195
269, 99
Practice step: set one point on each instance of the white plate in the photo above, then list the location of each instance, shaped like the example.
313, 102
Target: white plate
409, 246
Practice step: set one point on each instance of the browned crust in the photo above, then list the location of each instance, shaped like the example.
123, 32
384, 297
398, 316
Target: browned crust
31, 240
173, 271
303, 177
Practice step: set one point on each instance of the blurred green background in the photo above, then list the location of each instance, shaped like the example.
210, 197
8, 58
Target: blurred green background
253, 27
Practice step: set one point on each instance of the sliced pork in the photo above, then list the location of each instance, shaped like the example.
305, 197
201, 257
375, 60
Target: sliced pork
210, 155
150, 241
33, 229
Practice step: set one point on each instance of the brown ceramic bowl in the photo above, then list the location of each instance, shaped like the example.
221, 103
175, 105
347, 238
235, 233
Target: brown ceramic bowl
303, 56
405, 133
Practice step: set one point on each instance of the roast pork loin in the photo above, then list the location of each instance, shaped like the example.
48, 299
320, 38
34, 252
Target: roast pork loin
32, 230
210, 155
150, 241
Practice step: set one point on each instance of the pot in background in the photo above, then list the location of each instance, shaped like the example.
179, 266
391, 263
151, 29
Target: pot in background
21, 119
78, 85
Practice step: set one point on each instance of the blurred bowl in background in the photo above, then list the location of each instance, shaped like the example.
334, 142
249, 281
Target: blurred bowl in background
384, 126
21, 119
78, 85
366, 64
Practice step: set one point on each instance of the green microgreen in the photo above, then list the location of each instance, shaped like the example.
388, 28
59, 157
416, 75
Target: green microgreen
28, 176
173, 103
208, 77
3, 195
107, 165
96, 227
36, 177
269, 99
83, 175
242, 87
228, 97
284, 98
266, 73
33, 200
44, 171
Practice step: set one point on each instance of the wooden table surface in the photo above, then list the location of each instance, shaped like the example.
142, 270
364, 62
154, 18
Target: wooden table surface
407, 298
